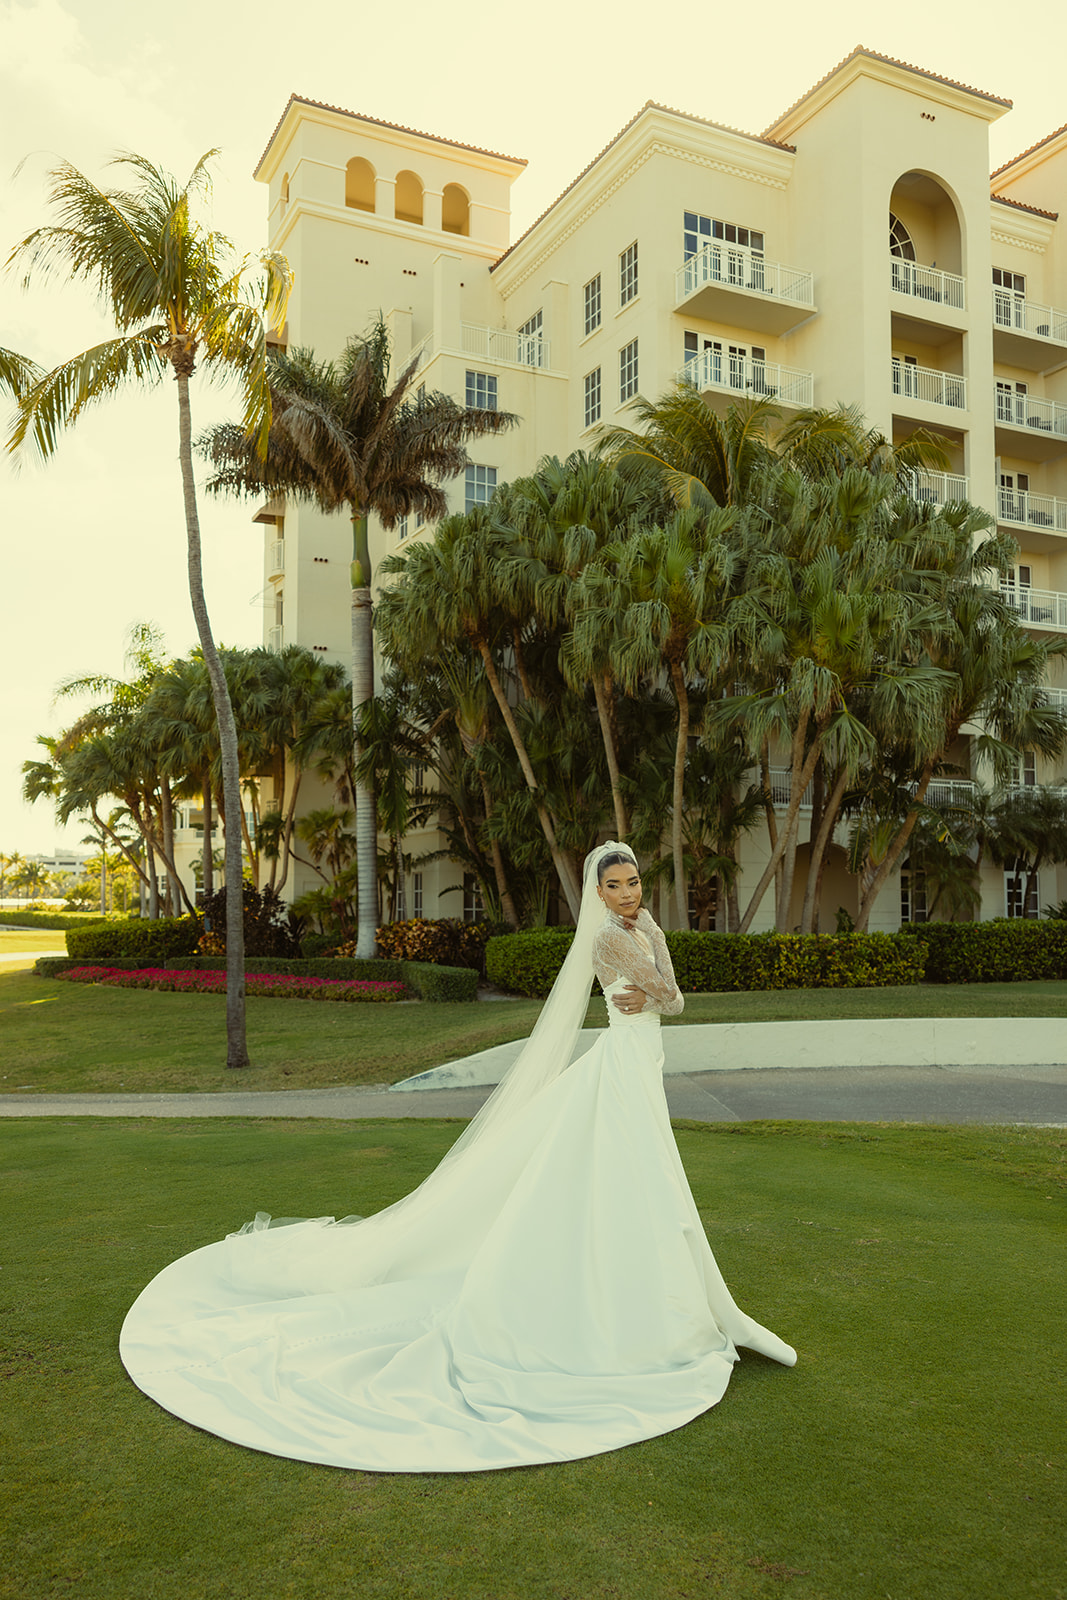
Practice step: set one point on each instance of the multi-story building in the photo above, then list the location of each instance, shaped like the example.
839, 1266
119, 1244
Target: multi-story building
856, 251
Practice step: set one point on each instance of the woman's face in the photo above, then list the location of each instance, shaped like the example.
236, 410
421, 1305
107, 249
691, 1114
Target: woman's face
620, 889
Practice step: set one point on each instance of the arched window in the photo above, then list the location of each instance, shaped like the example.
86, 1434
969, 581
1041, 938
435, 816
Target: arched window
359, 184
455, 209
900, 240
408, 197
285, 189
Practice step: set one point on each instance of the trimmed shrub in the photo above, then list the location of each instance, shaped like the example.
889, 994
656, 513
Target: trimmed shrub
445, 941
432, 982
313, 945
527, 963
1004, 950
139, 941
54, 919
711, 963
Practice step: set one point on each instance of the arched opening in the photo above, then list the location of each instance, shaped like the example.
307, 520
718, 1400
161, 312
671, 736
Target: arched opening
359, 184
408, 207
285, 188
455, 209
924, 216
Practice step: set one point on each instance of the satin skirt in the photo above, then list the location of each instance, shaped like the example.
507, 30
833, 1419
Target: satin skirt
551, 1295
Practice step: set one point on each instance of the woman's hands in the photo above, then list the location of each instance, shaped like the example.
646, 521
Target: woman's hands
631, 999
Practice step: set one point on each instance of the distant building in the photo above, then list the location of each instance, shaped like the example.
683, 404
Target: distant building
857, 250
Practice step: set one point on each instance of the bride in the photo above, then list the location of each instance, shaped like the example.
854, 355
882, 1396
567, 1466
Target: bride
547, 1293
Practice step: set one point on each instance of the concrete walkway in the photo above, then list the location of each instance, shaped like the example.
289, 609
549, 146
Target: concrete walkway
990, 1094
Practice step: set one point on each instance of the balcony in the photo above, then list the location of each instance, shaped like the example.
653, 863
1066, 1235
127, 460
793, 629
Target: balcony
927, 285
727, 284
940, 791
498, 347
1040, 513
929, 385
1027, 425
1038, 608
740, 377
937, 488
1056, 698
275, 639
1027, 334
275, 558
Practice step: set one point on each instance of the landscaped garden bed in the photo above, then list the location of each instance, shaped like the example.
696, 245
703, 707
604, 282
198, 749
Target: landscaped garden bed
274, 985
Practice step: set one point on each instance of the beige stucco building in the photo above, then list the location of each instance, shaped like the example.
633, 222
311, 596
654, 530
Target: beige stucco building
856, 251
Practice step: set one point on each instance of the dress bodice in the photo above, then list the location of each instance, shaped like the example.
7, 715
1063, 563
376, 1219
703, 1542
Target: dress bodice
637, 955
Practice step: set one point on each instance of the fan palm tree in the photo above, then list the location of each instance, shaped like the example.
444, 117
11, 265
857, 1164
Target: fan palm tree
344, 437
176, 297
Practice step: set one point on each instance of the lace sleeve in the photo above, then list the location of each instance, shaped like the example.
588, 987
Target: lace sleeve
617, 951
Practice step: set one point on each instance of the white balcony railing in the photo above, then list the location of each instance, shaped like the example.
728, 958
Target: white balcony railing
1038, 608
758, 380
275, 639
935, 387
276, 557
1031, 411
503, 345
779, 782
734, 268
1056, 698
940, 791
936, 488
927, 283
1028, 510
1027, 316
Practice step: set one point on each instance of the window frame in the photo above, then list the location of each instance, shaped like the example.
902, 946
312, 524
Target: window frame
476, 382
593, 305
476, 467
593, 398
629, 286
629, 378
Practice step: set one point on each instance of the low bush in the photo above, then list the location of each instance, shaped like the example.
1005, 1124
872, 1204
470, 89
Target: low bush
53, 919
431, 982
711, 963
271, 985
1000, 951
269, 924
445, 941
313, 945
145, 941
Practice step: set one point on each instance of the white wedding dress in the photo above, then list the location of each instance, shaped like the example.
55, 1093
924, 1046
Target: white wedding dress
546, 1295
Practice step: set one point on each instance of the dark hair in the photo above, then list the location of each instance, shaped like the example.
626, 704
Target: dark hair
616, 858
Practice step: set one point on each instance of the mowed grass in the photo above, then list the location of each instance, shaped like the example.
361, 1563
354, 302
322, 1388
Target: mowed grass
75, 1038
916, 1451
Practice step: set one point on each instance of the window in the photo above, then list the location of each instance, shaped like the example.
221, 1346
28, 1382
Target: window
359, 185
481, 391
592, 397
402, 527
416, 894
628, 372
699, 231
900, 240
481, 484
455, 209
1027, 770
531, 350
1014, 500
1017, 901
400, 900
913, 896
473, 905
592, 305
729, 366
1015, 282
628, 275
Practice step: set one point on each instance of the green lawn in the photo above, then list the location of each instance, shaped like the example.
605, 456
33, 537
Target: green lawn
76, 1038
916, 1451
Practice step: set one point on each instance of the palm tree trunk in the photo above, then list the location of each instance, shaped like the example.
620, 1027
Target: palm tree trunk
893, 854
287, 831
562, 865
236, 1039
817, 852
799, 782
503, 892
207, 862
622, 823
166, 818
681, 747
362, 690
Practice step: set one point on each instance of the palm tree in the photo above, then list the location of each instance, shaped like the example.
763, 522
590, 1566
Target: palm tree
343, 437
176, 297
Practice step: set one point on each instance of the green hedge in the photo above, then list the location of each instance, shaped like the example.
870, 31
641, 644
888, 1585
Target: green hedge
433, 982
149, 942
709, 963
53, 919
1000, 951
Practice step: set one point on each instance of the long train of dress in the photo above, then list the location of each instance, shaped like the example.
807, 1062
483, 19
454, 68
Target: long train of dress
548, 1296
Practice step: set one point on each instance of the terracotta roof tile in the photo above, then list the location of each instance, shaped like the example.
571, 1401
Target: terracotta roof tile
891, 61
649, 105
1030, 149
377, 122
1005, 200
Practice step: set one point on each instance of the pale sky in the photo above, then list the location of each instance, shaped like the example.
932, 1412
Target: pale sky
95, 541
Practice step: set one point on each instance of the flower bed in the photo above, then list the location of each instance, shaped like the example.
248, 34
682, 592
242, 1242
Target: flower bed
275, 985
